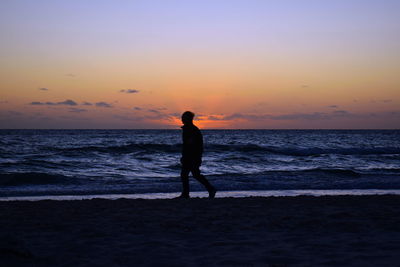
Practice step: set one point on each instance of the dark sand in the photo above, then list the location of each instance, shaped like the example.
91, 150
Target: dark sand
282, 231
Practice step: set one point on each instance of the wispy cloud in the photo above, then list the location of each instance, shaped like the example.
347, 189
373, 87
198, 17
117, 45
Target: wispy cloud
387, 100
215, 118
158, 114
246, 116
395, 114
87, 103
137, 108
176, 114
129, 91
7, 113
67, 102
289, 116
333, 106
128, 118
341, 113
103, 105
43, 89
70, 75
301, 116
77, 110
36, 103
154, 111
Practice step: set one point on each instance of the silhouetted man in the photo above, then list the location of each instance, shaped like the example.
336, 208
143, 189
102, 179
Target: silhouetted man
192, 151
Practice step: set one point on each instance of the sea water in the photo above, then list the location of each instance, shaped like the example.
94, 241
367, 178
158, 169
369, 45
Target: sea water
92, 162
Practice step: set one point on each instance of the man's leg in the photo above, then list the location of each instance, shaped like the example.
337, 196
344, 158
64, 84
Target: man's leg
185, 182
199, 177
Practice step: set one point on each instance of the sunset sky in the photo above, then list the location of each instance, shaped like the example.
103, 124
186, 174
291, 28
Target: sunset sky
284, 64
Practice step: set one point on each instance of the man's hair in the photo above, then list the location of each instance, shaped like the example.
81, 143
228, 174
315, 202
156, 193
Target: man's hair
188, 114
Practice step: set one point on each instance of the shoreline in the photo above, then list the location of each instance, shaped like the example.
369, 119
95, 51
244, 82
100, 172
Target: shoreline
202, 194
249, 231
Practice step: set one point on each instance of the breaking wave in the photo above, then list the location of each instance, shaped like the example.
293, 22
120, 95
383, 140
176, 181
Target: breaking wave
291, 151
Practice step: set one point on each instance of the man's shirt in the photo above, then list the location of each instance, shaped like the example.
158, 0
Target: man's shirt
192, 138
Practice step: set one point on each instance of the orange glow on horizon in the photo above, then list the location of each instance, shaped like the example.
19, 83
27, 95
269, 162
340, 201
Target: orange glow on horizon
202, 123
211, 124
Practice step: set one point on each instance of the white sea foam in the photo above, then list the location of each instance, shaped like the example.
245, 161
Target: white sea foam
224, 194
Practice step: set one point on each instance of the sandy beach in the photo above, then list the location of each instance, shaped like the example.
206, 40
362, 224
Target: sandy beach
274, 231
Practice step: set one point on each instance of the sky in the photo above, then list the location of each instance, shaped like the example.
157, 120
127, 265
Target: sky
119, 64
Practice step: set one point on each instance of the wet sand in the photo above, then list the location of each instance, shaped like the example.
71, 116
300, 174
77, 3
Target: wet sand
256, 231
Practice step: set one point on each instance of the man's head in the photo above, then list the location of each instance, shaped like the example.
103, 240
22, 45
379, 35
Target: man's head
187, 117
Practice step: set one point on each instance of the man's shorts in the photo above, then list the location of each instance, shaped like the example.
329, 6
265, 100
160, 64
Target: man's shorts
190, 163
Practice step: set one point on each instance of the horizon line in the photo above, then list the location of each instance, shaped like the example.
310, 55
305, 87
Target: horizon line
213, 129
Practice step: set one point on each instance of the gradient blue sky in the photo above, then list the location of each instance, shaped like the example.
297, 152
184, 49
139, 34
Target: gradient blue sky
237, 64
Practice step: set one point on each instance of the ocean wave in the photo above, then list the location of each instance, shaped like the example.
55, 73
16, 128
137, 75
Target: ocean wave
304, 151
128, 148
325, 171
338, 172
290, 151
32, 178
385, 169
307, 151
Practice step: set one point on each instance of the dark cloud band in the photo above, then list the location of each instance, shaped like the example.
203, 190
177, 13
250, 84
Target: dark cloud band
129, 91
67, 102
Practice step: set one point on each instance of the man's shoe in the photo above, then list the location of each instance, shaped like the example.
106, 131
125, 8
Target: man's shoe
212, 193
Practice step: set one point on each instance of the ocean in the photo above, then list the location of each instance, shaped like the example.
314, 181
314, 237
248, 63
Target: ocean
96, 162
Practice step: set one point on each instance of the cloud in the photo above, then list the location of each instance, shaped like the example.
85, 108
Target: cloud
313, 115
70, 102
137, 108
36, 103
245, 116
3, 102
103, 105
215, 118
70, 75
129, 91
43, 89
387, 100
395, 114
154, 111
333, 106
289, 116
341, 113
67, 102
10, 113
301, 116
77, 110
127, 117
158, 114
